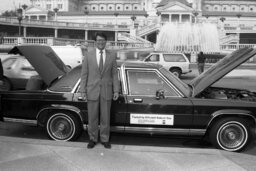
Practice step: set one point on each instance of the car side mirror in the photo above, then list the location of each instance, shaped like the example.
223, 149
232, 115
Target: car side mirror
160, 94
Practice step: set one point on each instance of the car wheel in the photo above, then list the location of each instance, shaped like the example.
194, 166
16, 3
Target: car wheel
63, 126
230, 134
176, 72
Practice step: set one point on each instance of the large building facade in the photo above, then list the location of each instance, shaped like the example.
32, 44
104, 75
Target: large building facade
235, 19
96, 5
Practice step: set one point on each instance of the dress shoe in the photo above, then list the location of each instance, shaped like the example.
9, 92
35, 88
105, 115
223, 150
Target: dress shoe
106, 144
91, 144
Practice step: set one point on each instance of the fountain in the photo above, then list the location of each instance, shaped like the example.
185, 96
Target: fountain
188, 38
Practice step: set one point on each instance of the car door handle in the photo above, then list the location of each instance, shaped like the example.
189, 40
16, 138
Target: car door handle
80, 98
137, 100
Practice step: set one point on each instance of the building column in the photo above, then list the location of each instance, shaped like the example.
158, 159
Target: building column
180, 16
56, 33
85, 35
24, 31
146, 37
170, 17
46, 18
116, 36
190, 18
37, 17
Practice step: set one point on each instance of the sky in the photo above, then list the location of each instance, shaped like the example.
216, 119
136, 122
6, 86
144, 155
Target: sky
11, 4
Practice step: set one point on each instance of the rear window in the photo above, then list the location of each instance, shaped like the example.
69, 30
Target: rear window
174, 58
67, 82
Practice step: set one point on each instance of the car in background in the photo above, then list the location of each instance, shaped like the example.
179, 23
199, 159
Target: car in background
177, 63
152, 100
17, 71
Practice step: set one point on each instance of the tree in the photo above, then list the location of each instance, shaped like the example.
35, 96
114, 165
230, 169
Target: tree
10, 13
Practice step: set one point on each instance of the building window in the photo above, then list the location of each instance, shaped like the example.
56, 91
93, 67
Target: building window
127, 8
216, 8
93, 8
135, 8
118, 8
102, 8
242, 8
110, 8
48, 6
60, 6
224, 8
234, 8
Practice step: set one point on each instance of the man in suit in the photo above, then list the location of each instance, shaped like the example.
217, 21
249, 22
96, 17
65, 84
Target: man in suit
99, 85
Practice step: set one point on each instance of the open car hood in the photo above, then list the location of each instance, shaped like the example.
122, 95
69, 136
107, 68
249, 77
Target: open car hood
45, 61
220, 69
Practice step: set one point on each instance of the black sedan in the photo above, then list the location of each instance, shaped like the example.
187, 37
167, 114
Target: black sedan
152, 100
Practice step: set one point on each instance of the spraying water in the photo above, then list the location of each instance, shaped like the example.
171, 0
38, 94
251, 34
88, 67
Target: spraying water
187, 37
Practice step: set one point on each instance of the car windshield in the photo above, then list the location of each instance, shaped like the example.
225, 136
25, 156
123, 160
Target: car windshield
183, 87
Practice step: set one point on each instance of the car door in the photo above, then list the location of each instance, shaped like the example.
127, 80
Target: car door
172, 112
21, 104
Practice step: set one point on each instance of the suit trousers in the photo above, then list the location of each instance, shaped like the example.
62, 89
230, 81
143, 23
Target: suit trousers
94, 106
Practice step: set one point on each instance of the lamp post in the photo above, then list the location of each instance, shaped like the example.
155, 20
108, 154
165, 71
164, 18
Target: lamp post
195, 13
158, 13
116, 15
238, 17
86, 12
146, 21
24, 7
133, 18
55, 12
222, 19
19, 17
207, 17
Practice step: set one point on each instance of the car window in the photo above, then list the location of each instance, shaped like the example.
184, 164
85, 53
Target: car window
27, 66
147, 83
8, 62
67, 82
174, 58
153, 58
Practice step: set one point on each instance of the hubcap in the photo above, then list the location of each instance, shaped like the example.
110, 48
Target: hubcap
61, 128
232, 136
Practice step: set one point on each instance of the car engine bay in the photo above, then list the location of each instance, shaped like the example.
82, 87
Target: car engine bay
227, 93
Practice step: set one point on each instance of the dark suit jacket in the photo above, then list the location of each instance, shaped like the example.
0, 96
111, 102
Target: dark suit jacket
93, 83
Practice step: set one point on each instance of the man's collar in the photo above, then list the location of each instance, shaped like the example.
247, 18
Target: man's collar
98, 50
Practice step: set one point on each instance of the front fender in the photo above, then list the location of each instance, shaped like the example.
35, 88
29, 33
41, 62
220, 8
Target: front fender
45, 112
231, 112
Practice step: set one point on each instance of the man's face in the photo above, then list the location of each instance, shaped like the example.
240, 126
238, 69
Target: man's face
100, 42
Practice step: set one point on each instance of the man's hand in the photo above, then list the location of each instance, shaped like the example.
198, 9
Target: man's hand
115, 96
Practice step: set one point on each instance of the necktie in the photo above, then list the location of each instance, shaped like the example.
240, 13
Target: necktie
101, 61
